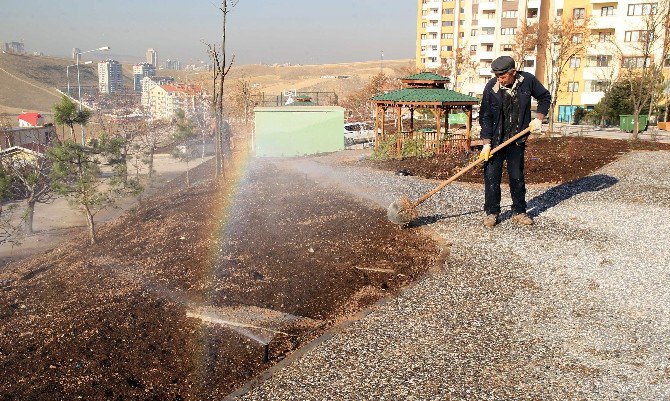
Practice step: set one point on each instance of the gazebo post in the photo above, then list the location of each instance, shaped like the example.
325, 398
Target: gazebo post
468, 138
411, 120
438, 120
377, 124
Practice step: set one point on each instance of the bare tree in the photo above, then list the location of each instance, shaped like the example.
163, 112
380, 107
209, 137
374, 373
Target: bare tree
567, 37
463, 63
219, 73
525, 42
644, 54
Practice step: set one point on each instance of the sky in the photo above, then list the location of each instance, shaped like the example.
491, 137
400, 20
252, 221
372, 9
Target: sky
258, 31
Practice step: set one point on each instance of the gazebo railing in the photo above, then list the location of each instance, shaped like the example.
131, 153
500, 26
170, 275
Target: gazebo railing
432, 142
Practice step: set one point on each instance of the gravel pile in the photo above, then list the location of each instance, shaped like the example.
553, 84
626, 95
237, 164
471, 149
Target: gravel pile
575, 307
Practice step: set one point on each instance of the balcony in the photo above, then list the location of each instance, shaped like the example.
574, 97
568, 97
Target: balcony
486, 38
485, 71
484, 55
604, 2
604, 22
487, 22
488, 5
430, 42
433, 28
590, 98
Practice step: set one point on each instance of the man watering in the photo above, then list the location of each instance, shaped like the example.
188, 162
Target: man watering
505, 111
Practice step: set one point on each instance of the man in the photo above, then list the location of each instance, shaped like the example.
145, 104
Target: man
505, 111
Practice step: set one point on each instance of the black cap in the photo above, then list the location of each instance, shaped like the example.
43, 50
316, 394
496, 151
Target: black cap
502, 64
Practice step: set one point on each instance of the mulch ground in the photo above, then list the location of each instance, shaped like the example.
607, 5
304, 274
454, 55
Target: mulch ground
179, 297
547, 160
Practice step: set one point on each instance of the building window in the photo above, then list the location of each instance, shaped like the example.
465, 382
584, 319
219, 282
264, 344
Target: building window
462, 10
447, 23
559, 12
642, 9
506, 47
577, 38
489, 14
473, 49
508, 31
424, 24
433, 48
424, 12
488, 30
448, 11
433, 36
450, 48
599, 61
473, 32
578, 13
635, 62
447, 36
510, 14
607, 10
604, 37
532, 13
488, 47
529, 63
461, 22
575, 62
596, 86
423, 36
573, 86
461, 34
638, 36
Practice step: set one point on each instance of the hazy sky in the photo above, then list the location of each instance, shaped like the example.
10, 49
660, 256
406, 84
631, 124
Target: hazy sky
268, 31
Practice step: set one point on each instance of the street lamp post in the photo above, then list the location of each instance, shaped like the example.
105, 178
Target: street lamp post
104, 48
67, 74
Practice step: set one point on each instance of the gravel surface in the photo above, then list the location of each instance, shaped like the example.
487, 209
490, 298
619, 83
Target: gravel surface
575, 307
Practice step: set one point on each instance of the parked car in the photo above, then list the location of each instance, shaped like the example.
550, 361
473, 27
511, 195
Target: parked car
197, 147
357, 132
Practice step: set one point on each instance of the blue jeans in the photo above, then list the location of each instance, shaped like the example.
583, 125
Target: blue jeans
513, 154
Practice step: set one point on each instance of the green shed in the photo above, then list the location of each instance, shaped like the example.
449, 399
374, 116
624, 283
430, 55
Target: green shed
298, 130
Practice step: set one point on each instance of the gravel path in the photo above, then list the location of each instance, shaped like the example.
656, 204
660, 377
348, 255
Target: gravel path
575, 307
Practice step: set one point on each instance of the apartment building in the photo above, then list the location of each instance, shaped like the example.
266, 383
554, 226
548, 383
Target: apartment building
478, 30
110, 77
165, 100
483, 30
148, 83
618, 33
140, 71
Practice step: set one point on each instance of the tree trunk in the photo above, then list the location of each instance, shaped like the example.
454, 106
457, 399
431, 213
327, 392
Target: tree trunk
636, 125
28, 216
72, 133
91, 225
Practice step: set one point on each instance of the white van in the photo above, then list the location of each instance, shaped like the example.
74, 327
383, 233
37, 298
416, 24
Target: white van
358, 133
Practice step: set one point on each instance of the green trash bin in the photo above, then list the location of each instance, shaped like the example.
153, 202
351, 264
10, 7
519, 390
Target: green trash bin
626, 122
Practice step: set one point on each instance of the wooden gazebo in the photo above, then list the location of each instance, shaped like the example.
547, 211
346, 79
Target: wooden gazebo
424, 91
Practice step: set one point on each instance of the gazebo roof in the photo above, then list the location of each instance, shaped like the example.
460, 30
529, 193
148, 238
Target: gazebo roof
425, 76
425, 95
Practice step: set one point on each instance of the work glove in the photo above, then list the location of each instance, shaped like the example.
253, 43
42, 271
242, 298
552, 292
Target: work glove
536, 126
485, 153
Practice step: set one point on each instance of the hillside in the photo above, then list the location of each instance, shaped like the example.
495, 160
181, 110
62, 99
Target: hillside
30, 82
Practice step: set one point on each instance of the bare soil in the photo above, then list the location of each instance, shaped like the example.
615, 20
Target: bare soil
179, 297
547, 160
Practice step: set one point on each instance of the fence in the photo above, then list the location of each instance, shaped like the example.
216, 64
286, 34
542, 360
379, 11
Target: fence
318, 98
432, 142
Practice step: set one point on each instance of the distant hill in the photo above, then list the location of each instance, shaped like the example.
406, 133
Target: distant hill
29, 82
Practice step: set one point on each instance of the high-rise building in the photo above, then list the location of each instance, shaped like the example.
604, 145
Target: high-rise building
140, 71
14, 47
478, 31
172, 65
152, 57
110, 77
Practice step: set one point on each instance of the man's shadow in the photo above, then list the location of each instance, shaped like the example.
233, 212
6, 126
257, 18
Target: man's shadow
563, 192
540, 203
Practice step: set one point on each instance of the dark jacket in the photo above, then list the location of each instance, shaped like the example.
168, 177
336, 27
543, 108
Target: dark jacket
490, 116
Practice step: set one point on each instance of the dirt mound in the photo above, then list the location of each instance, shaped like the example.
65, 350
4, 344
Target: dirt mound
547, 160
180, 297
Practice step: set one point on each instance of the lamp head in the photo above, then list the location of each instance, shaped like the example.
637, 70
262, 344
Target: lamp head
104, 48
